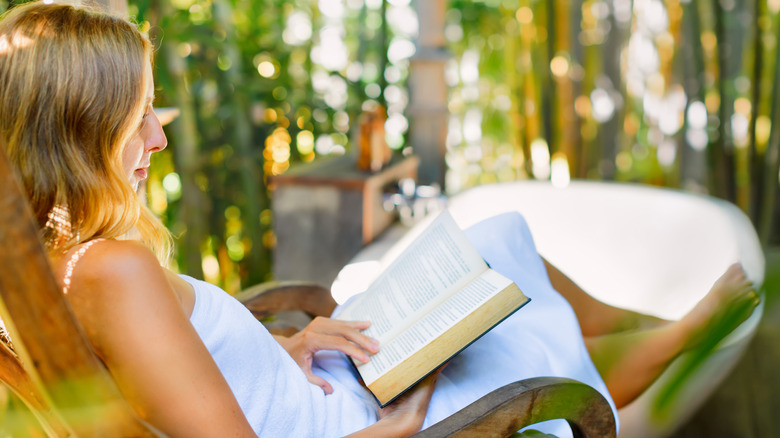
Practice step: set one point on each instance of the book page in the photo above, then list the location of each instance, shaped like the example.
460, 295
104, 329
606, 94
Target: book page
432, 325
437, 263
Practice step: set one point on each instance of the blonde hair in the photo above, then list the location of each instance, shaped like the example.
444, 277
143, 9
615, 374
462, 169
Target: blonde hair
72, 94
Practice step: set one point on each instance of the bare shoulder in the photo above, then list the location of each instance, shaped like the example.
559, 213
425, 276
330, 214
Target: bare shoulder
134, 319
113, 286
116, 260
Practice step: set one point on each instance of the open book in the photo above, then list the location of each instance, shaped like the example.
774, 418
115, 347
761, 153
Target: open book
437, 297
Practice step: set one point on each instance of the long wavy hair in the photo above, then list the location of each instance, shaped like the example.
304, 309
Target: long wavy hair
72, 94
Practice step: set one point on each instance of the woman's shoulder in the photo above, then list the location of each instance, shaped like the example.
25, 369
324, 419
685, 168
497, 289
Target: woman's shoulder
112, 259
113, 287
100, 262
106, 273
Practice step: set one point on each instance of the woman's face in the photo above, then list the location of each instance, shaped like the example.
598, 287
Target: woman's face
149, 139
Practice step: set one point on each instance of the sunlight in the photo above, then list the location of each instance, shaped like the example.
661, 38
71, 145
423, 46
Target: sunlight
331, 52
277, 152
400, 49
331, 8
697, 138
740, 125
559, 66
336, 92
298, 29
210, 266
469, 67
697, 115
172, 186
524, 15
403, 19
559, 171
472, 126
396, 124
305, 142
266, 69
763, 130
602, 105
235, 248
353, 279
540, 157
18, 41
666, 153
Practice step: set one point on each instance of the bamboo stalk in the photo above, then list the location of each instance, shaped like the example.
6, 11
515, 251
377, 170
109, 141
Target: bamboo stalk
511, 79
564, 119
722, 156
548, 85
185, 153
241, 137
383, 55
771, 159
694, 69
756, 158
609, 130
576, 51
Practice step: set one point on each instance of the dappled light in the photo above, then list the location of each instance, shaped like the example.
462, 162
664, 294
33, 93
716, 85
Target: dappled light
519, 102
18, 41
662, 92
622, 89
289, 86
353, 279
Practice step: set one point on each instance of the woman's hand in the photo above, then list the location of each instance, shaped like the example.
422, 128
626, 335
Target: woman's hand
410, 408
328, 334
404, 417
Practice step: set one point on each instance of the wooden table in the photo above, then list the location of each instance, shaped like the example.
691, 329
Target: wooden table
326, 211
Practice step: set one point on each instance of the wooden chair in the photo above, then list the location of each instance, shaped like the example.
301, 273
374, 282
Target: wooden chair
52, 370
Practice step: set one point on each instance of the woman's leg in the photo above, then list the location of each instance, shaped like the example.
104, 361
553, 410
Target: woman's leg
630, 360
595, 317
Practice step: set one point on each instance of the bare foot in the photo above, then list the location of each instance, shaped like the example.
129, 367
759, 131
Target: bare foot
730, 301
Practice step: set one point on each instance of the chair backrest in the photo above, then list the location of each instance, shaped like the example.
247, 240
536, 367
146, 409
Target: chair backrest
51, 367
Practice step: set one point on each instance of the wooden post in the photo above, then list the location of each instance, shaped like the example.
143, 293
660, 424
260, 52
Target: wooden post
428, 93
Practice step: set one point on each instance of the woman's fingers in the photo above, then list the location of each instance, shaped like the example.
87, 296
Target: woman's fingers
349, 330
339, 343
319, 381
367, 343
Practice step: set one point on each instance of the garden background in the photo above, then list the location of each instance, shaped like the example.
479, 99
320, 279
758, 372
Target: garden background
663, 92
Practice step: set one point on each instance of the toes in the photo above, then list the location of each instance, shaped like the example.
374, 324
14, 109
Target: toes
736, 266
735, 275
737, 270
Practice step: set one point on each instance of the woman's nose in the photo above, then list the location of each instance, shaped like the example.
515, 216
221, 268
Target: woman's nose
156, 139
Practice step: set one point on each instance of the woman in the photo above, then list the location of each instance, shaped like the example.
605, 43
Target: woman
76, 95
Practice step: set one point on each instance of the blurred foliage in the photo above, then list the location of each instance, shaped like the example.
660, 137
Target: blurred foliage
260, 85
677, 93
672, 93
668, 93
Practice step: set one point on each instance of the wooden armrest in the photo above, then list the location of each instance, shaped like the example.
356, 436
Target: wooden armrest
269, 298
517, 405
12, 373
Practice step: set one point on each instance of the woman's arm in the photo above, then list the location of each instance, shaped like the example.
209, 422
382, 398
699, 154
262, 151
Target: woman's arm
404, 417
137, 325
139, 329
